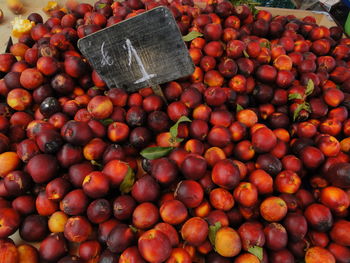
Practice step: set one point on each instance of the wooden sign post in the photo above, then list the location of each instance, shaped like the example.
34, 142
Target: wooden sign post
145, 50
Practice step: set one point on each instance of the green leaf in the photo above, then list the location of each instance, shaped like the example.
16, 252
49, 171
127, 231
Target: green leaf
106, 122
239, 108
212, 232
310, 87
302, 106
128, 182
178, 139
152, 153
192, 35
256, 251
295, 96
101, 5
251, 4
266, 44
173, 130
93, 162
134, 229
245, 54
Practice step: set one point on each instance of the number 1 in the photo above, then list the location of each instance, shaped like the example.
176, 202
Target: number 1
132, 52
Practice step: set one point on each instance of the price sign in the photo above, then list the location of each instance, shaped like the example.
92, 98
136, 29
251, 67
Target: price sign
145, 50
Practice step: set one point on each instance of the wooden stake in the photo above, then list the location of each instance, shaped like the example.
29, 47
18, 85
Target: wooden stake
158, 91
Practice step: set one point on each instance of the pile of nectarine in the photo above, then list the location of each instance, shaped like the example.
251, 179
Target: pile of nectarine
246, 161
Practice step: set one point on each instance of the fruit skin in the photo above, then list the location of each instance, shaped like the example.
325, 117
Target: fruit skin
334, 198
264, 140
296, 226
273, 209
164, 171
340, 175
8, 252
9, 161
96, 185
246, 194
57, 221
170, 232
319, 217
318, 254
173, 212
77, 229
154, 246
77, 132
53, 247
276, 236
225, 174
227, 242
179, 255
33, 228
120, 238
251, 234
145, 189
10, 220
145, 215
115, 170
341, 253
190, 193
42, 168
100, 107
6, 61
19, 99
123, 207
27, 254
339, 232
194, 231
31, 78
75, 202
131, 254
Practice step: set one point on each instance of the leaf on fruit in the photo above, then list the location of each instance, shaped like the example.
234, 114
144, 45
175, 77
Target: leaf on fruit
93, 162
256, 251
266, 44
128, 182
134, 229
239, 108
212, 232
152, 153
245, 54
101, 5
106, 122
176, 140
295, 96
192, 35
310, 87
251, 4
173, 130
302, 106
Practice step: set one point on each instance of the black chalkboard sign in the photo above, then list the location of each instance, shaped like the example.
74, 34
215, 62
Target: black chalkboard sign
144, 50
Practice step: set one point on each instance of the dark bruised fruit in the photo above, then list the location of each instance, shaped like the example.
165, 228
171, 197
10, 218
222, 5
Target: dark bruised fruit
49, 106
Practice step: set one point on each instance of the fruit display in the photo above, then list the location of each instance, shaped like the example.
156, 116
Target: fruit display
247, 160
